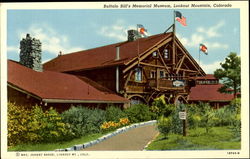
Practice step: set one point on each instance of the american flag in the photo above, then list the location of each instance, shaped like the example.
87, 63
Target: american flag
180, 18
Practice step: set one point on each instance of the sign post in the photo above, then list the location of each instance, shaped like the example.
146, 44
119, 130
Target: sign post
183, 116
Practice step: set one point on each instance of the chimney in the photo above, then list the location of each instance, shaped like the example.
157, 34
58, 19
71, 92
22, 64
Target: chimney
60, 53
133, 35
30, 53
117, 53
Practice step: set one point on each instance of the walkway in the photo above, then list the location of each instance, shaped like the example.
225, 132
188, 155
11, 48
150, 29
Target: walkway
135, 139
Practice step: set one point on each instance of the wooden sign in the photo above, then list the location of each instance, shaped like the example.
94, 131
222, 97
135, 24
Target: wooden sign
182, 115
178, 83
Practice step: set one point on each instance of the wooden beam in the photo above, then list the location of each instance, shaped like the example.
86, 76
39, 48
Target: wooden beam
191, 60
148, 49
187, 70
128, 78
179, 45
162, 60
152, 65
179, 66
147, 54
173, 51
143, 71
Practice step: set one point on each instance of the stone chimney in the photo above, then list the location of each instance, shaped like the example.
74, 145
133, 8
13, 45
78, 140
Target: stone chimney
133, 35
30, 53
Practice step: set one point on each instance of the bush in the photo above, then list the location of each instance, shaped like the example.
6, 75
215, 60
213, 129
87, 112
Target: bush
83, 120
138, 113
34, 125
177, 124
114, 114
193, 116
207, 114
159, 107
18, 119
164, 125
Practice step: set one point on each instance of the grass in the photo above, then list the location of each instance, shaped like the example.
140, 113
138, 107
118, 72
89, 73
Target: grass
218, 138
57, 145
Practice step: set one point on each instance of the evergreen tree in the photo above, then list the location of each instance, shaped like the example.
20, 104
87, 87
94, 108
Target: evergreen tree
229, 73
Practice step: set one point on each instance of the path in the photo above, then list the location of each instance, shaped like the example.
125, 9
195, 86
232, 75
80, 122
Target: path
134, 139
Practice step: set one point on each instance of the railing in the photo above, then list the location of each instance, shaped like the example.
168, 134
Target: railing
167, 83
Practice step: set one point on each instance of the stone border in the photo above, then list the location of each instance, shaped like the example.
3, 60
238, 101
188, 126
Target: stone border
107, 136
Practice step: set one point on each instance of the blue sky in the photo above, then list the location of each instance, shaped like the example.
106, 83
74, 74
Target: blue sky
74, 30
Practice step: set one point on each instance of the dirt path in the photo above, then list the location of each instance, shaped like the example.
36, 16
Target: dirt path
134, 139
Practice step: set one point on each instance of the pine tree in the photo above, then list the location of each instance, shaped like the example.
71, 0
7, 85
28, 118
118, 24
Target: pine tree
229, 73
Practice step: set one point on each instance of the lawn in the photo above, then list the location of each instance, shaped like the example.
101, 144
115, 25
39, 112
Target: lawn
218, 138
53, 146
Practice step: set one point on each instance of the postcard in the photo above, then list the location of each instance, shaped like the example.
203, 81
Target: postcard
125, 79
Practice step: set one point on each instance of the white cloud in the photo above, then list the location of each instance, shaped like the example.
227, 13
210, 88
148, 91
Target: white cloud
212, 31
206, 36
117, 30
52, 41
210, 68
13, 49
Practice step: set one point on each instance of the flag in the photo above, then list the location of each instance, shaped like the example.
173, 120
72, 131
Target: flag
203, 48
141, 30
180, 18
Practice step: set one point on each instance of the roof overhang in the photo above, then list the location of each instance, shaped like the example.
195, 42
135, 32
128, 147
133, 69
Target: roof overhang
80, 101
47, 100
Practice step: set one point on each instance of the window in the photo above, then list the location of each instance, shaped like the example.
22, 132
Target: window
138, 74
152, 74
162, 74
154, 54
165, 53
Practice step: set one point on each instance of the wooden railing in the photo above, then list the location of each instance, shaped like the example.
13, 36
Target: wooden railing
165, 83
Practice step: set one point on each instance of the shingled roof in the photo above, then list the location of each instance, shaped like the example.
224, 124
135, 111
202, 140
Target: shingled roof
103, 56
208, 93
52, 86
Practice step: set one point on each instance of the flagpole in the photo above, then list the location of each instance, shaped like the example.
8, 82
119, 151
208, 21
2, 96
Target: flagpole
173, 44
199, 54
138, 46
174, 22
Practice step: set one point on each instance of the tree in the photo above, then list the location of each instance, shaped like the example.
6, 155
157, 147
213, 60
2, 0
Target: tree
229, 74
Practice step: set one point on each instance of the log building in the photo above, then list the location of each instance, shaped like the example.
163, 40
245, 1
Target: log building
139, 69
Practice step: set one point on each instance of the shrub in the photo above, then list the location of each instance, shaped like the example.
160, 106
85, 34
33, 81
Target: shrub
159, 107
34, 125
193, 115
138, 113
52, 126
164, 125
207, 114
83, 120
18, 119
114, 114
177, 125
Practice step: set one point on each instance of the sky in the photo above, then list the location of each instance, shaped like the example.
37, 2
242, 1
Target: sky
70, 30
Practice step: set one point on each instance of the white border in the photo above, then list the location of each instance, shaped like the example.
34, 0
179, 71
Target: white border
244, 49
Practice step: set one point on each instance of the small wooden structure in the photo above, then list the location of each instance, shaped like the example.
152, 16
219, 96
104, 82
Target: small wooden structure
206, 91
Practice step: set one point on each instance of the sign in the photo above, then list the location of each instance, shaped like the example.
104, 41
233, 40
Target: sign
178, 83
182, 115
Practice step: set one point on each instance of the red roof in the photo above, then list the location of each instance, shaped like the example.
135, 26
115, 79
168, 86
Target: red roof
208, 93
102, 56
55, 85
